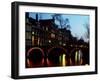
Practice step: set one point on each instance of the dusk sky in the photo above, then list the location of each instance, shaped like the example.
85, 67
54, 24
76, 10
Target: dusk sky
76, 22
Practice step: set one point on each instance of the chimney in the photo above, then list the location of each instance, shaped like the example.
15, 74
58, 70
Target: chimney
36, 16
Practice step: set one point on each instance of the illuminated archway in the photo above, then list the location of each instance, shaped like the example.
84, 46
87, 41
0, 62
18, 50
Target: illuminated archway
35, 57
76, 57
57, 56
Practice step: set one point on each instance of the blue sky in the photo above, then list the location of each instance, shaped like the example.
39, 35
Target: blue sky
76, 22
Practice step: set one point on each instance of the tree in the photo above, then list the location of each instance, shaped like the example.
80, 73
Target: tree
63, 23
59, 18
87, 31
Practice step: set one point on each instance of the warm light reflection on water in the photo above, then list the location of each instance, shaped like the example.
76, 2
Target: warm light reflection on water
55, 58
62, 59
78, 57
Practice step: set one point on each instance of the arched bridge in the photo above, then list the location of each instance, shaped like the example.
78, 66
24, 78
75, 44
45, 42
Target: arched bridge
57, 56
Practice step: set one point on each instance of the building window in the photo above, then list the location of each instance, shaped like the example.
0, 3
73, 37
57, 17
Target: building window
64, 44
27, 20
52, 35
59, 38
28, 43
46, 28
28, 28
38, 41
60, 43
43, 27
32, 40
28, 35
35, 40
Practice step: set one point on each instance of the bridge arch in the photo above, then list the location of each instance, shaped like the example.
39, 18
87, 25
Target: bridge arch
35, 57
57, 56
76, 56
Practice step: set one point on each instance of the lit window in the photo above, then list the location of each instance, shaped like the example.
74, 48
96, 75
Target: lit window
32, 40
52, 35
60, 43
49, 41
33, 32
64, 44
38, 41
46, 28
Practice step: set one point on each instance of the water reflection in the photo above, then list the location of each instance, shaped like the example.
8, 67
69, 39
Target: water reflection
57, 57
54, 57
62, 59
76, 57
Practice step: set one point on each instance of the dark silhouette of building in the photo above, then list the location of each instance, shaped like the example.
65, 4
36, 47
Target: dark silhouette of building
45, 32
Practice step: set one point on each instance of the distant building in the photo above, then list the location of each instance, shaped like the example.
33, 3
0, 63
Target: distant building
42, 32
